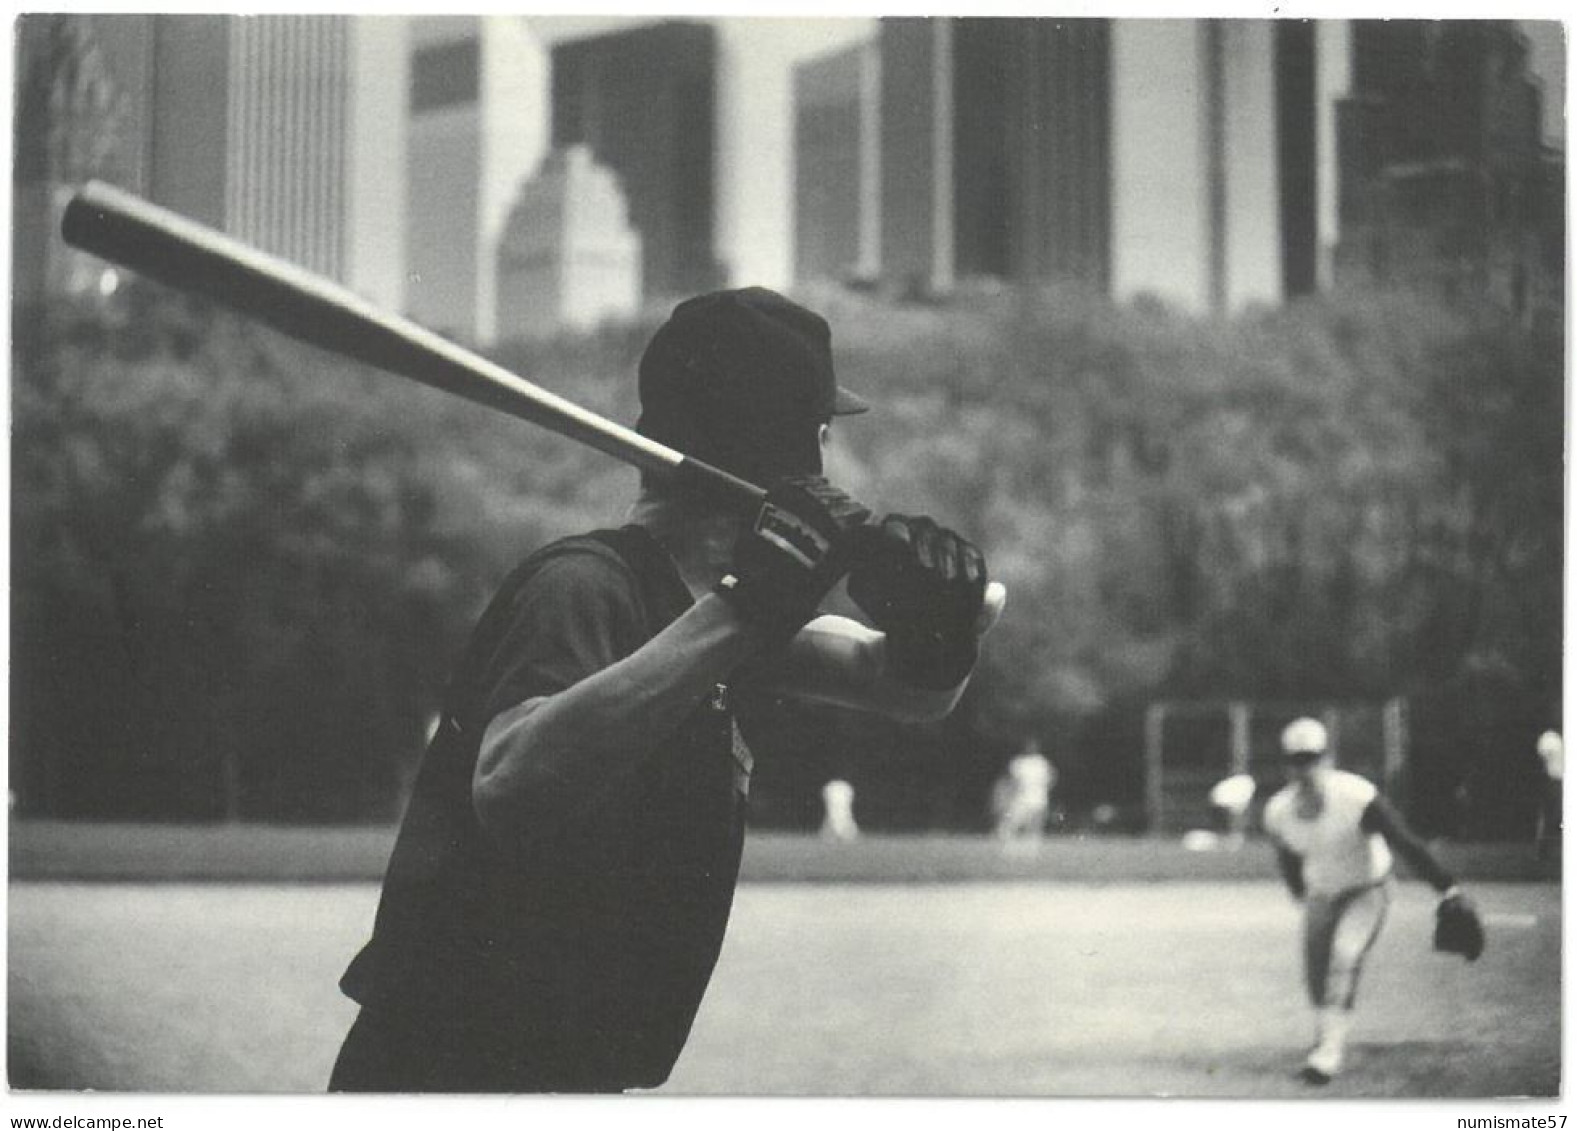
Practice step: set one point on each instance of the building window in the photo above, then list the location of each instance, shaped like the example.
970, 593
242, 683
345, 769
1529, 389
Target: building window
445, 75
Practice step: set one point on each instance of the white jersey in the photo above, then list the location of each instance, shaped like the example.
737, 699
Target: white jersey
1033, 775
1337, 853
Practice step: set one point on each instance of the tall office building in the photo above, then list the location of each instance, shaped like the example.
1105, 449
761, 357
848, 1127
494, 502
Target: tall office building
286, 121
1447, 184
1212, 122
1171, 157
477, 130
643, 100
283, 131
837, 164
568, 258
1042, 130
995, 134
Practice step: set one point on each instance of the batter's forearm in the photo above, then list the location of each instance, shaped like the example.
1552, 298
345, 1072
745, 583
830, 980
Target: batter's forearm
544, 759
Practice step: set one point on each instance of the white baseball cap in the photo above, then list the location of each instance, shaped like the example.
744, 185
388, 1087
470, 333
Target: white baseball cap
1304, 736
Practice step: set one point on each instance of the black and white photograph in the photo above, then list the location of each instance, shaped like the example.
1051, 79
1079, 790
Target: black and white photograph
567, 563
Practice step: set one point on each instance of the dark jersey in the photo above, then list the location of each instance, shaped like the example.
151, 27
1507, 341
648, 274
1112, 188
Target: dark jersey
577, 963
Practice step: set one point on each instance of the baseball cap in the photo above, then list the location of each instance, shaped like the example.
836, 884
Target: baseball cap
1304, 736
743, 379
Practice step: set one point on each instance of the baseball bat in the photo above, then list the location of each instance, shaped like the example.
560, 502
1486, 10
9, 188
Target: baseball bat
123, 228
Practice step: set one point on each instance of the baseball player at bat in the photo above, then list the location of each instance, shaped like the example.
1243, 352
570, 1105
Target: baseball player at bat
1334, 836
562, 879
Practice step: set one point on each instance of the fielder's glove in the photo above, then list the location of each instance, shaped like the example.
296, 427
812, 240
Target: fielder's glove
1458, 929
795, 550
923, 586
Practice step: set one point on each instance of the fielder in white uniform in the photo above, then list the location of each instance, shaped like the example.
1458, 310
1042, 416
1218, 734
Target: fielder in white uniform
1024, 800
1334, 837
1547, 835
838, 823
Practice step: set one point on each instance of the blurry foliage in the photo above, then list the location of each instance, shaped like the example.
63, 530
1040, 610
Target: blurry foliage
1350, 499
241, 568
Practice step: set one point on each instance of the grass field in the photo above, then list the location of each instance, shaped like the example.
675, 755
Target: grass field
997, 988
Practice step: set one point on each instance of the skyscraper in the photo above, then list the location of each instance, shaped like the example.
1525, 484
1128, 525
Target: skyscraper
995, 136
1199, 141
1445, 178
643, 101
837, 163
283, 131
286, 127
918, 168
1172, 157
1046, 128
477, 129
568, 257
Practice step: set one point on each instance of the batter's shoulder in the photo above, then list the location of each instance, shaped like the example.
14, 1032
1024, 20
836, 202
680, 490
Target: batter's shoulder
577, 585
578, 562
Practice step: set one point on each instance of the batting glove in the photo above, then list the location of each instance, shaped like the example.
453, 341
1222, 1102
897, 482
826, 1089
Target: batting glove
922, 585
792, 554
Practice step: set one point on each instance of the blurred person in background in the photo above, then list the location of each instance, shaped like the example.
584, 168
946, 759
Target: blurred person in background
559, 889
1334, 836
837, 802
1022, 800
1233, 796
1552, 756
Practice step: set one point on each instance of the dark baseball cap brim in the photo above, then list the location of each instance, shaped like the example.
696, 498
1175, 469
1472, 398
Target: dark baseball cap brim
845, 403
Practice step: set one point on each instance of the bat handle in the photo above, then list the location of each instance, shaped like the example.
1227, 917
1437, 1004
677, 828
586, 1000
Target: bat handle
720, 486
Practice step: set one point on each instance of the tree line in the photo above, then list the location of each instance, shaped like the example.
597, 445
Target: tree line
241, 568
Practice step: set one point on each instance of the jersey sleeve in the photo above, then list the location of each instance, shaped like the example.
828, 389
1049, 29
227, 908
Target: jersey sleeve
577, 614
1271, 819
1359, 791
1381, 818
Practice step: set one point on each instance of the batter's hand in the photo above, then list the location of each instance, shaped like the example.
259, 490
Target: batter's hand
924, 586
795, 550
